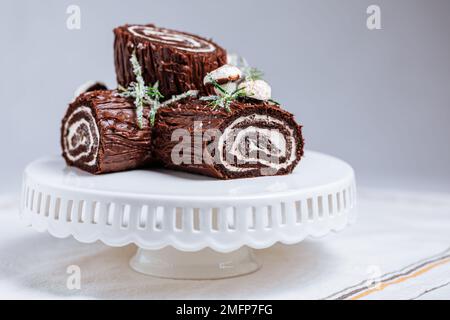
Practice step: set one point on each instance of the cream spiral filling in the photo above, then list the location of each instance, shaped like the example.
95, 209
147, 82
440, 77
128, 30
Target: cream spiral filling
245, 145
180, 41
81, 136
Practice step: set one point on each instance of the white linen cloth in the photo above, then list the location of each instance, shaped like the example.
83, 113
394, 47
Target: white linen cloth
397, 249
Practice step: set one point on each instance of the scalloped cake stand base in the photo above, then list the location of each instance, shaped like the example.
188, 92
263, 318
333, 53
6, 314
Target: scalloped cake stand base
188, 226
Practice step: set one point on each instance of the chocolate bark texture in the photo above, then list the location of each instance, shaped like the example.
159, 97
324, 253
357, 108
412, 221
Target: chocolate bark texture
99, 133
177, 60
253, 139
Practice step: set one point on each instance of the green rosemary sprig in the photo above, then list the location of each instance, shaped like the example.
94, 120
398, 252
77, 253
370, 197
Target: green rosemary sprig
253, 74
274, 102
154, 93
141, 93
217, 85
224, 99
190, 93
152, 98
152, 114
248, 72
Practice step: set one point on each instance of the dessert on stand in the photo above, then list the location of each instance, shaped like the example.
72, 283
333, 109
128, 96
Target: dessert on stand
189, 158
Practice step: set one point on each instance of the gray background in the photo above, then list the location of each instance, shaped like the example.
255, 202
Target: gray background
378, 99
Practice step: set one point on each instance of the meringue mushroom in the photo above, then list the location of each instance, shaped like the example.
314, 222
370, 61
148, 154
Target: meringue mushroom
256, 89
226, 75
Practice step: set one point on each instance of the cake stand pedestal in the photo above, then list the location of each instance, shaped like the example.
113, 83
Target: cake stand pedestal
203, 264
188, 226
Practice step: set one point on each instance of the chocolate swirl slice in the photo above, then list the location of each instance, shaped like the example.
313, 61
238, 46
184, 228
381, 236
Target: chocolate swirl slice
254, 139
178, 40
177, 60
99, 134
81, 137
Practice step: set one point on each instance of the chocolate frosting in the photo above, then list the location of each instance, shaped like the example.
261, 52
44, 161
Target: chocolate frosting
120, 144
177, 60
198, 118
99, 134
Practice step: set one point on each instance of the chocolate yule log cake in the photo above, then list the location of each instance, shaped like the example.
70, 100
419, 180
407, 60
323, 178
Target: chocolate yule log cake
254, 138
179, 105
178, 61
100, 134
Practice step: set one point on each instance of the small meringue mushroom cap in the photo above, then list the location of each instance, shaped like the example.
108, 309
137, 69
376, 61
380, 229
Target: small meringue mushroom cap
224, 74
256, 89
229, 87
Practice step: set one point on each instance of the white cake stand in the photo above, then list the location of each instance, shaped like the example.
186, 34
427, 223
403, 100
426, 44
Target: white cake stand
189, 226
